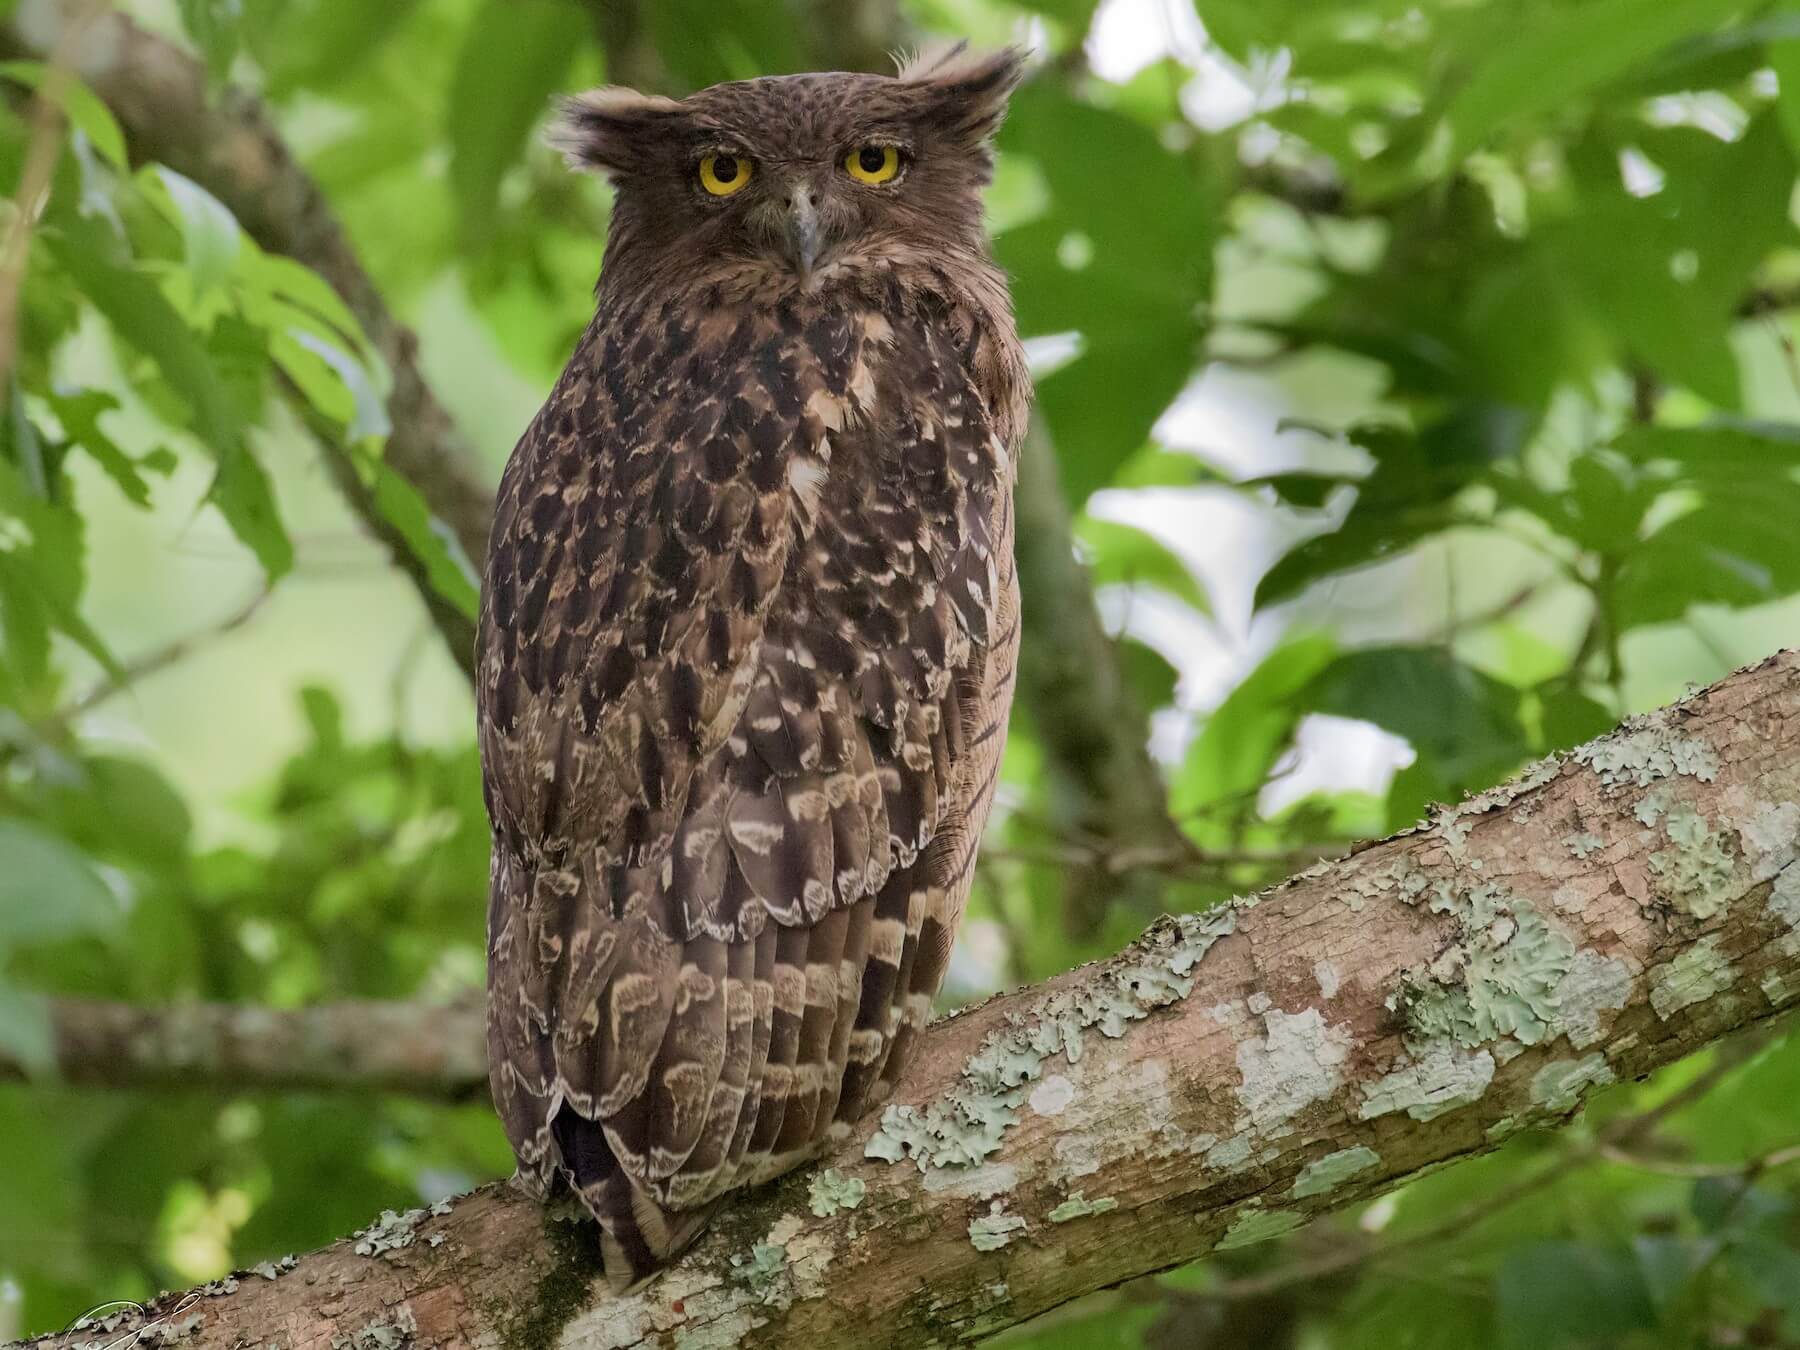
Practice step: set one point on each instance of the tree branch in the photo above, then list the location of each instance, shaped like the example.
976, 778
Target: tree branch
230, 146
435, 1050
1105, 786
1226, 1078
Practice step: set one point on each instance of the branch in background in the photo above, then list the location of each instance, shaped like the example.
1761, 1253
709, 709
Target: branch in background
631, 55
1237, 1074
435, 1050
1096, 739
856, 34
231, 147
152, 662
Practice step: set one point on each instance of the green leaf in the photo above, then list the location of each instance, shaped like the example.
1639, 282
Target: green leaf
1123, 555
81, 105
1464, 724
1784, 60
26, 1036
209, 232
436, 547
368, 415
1124, 257
1606, 502
245, 497
1737, 1206
1733, 553
1668, 1264
1148, 674
1722, 451
322, 46
1565, 54
1369, 535
514, 56
1569, 718
48, 892
705, 41
42, 571
122, 810
1567, 1293
213, 25
1663, 276
140, 314
80, 415
1771, 1269
1247, 733
275, 277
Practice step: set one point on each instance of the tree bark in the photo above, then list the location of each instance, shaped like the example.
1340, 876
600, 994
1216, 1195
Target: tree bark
428, 1049
1226, 1078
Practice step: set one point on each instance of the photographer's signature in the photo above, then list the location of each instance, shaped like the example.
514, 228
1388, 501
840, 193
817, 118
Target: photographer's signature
155, 1329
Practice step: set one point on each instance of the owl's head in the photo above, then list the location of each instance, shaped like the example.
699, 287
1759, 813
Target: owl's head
794, 179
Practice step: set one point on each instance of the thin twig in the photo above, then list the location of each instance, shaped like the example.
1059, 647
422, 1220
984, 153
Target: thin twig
41, 153
153, 661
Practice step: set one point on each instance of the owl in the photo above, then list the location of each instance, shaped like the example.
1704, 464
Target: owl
747, 638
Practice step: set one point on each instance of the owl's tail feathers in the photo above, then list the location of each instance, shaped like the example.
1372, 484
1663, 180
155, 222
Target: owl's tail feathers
638, 1236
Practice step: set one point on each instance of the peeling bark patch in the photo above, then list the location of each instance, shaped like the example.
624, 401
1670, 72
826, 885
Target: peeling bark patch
1324, 1175
1052, 1096
1229, 1154
968, 1124
1329, 979
1784, 904
1697, 872
976, 1182
1257, 1225
1561, 1084
1692, 977
1649, 751
1441, 1079
1300, 1061
1500, 978
1771, 839
832, 1191
1594, 984
1780, 990
995, 1229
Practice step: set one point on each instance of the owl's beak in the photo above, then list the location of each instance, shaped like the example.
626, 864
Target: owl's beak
801, 244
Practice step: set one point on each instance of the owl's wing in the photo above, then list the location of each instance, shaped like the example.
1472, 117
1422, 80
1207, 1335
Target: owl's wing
715, 871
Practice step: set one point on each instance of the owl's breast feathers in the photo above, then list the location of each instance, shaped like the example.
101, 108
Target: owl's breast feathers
745, 659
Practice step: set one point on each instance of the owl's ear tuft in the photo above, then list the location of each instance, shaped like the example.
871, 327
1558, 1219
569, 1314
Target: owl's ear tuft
968, 88
611, 130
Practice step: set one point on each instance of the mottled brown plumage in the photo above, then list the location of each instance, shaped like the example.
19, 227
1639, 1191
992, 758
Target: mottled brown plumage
747, 639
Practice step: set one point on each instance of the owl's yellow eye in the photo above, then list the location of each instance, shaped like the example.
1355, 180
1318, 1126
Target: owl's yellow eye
873, 163
723, 175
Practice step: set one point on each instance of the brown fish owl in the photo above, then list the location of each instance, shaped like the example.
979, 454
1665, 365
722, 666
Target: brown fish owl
747, 638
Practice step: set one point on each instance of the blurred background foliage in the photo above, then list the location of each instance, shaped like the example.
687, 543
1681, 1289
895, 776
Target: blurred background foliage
1423, 393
